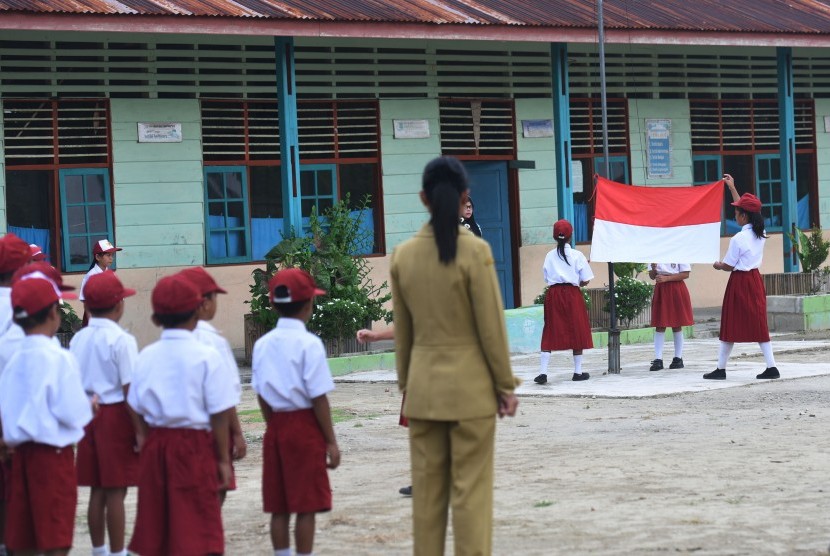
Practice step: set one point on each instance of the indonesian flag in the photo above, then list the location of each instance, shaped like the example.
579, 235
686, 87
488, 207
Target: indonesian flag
656, 224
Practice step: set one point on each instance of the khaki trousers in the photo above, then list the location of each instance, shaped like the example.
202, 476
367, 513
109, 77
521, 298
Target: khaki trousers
452, 466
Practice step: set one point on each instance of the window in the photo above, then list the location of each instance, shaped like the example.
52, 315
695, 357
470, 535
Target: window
58, 190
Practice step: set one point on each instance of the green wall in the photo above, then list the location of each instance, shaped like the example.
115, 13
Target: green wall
537, 187
677, 111
3, 220
158, 191
823, 161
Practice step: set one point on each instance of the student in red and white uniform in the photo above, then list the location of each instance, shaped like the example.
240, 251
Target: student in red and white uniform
671, 307
103, 256
566, 318
184, 397
208, 335
291, 378
108, 454
43, 409
37, 253
744, 311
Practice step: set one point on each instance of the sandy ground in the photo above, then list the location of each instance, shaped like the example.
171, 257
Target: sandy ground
741, 470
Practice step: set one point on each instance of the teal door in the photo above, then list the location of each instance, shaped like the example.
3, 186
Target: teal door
86, 214
488, 188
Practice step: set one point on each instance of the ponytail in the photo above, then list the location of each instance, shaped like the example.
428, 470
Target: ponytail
757, 222
560, 248
444, 181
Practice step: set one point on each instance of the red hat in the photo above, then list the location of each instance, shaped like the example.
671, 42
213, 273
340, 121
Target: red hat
105, 290
36, 251
748, 202
199, 277
104, 246
562, 229
33, 294
298, 284
43, 269
175, 295
14, 253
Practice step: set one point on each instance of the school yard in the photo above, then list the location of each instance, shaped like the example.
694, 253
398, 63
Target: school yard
637, 463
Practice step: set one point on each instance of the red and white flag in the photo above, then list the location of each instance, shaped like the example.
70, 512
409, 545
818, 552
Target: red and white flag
656, 224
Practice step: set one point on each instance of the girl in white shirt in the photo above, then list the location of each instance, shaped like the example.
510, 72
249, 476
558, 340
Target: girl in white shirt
103, 255
671, 307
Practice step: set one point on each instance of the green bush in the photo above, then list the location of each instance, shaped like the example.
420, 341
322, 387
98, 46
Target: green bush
629, 270
632, 296
540, 299
70, 321
812, 249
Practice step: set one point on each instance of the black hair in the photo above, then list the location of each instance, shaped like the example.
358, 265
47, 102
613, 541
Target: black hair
6, 277
757, 222
27, 323
560, 248
173, 320
94, 260
103, 311
470, 223
444, 182
290, 309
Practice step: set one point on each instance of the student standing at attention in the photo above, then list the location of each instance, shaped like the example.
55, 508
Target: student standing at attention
566, 318
103, 256
43, 410
184, 397
291, 378
744, 311
108, 453
671, 307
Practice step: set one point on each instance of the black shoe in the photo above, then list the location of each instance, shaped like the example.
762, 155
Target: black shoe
406, 491
581, 376
656, 365
717, 374
541, 379
676, 363
771, 372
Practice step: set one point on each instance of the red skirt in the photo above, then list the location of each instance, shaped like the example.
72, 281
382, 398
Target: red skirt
743, 317
6, 475
671, 305
294, 475
178, 501
107, 457
566, 320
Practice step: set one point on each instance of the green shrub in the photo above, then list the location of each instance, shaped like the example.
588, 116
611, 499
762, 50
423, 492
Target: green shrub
632, 296
812, 249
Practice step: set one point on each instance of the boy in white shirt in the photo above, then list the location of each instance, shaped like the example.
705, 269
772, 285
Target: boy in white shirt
291, 377
108, 454
184, 397
210, 336
43, 409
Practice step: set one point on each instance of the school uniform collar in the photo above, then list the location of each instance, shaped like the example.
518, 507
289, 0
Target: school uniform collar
287, 323
5, 292
35, 340
206, 326
100, 322
746, 227
176, 334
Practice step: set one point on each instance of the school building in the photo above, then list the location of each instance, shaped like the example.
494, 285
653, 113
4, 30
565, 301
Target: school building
195, 133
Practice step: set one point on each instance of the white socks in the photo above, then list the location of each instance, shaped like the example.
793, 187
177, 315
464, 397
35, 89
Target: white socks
543, 368
100, 550
659, 339
123, 552
577, 364
3, 550
282, 552
766, 349
723, 353
678, 344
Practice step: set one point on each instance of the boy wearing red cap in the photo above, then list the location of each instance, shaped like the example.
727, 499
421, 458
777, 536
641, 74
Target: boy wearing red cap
744, 309
43, 410
185, 400
566, 318
291, 378
108, 454
210, 336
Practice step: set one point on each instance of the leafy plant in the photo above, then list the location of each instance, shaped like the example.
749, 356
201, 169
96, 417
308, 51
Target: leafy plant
630, 270
631, 296
70, 321
540, 299
812, 249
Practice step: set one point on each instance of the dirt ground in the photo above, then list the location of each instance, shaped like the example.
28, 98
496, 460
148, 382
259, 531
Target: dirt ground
742, 470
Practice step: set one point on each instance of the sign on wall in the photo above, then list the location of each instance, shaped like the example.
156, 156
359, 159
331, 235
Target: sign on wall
159, 132
411, 129
658, 148
537, 128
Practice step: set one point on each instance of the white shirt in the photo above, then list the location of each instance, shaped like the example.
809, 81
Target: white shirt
208, 335
672, 268
6, 309
92, 272
178, 383
557, 271
746, 251
290, 367
10, 343
106, 354
42, 398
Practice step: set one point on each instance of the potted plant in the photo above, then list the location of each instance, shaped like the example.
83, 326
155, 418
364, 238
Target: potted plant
70, 323
632, 296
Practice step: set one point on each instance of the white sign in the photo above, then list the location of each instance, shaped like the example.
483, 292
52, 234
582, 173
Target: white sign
537, 128
658, 148
411, 129
576, 176
159, 132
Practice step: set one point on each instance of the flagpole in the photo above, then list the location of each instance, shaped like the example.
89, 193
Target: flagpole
613, 331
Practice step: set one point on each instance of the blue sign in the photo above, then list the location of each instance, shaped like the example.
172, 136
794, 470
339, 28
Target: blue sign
658, 148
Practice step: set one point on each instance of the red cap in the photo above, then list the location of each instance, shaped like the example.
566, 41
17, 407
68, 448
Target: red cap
199, 277
104, 246
33, 294
14, 253
105, 290
37, 253
43, 269
298, 284
748, 202
174, 295
562, 229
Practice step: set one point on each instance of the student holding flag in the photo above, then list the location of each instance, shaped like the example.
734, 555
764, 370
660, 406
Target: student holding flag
671, 307
744, 311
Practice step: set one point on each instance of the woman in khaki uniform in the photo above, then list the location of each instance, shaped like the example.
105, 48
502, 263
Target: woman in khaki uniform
454, 365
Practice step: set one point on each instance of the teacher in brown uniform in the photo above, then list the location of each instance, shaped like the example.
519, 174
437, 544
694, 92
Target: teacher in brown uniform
454, 366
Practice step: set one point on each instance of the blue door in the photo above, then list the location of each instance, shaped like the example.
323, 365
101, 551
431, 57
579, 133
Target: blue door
488, 188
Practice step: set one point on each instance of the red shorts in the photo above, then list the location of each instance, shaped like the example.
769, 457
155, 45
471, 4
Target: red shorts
671, 305
40, 514
294, 475
743, 317
5, 479
566, 320
106, 454
178, 501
